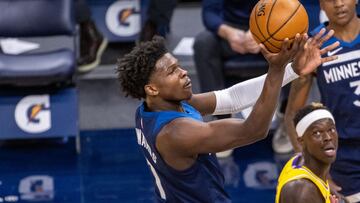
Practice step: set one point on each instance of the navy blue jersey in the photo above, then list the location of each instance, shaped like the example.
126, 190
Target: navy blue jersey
339, 85
202, 182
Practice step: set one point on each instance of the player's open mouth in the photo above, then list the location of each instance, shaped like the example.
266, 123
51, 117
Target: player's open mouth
187, 84
330, 151
340, 14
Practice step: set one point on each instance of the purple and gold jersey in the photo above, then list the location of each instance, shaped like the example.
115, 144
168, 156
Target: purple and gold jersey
294, 170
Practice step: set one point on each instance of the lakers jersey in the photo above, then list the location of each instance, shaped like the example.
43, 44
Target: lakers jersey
203, 182
293, 170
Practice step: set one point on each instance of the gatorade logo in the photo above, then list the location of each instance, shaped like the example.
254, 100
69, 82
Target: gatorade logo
32, 114
37, 188
261, 175
123, 18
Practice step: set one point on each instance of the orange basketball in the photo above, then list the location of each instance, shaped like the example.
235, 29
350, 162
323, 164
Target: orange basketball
272, 21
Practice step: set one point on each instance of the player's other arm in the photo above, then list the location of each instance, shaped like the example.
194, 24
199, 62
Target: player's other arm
184, 138
300, 191
189, 138
298, 95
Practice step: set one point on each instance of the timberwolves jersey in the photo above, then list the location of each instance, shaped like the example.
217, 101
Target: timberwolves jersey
339, 85
293, 170
202, 182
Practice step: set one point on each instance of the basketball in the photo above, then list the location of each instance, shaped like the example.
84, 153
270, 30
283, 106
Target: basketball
271, 21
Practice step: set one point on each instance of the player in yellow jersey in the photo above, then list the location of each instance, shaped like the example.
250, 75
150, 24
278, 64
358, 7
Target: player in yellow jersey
304, 178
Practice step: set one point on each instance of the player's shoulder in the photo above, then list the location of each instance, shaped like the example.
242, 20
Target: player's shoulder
300, 190
317, 29
179, 124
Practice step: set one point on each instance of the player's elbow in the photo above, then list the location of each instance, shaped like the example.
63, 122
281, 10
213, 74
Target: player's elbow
260, 134
264, 134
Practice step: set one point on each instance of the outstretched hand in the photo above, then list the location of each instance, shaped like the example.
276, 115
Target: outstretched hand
308, 57
281, 59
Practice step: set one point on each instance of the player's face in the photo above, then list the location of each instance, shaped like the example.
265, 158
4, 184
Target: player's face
320, 141
171, 80
339, 12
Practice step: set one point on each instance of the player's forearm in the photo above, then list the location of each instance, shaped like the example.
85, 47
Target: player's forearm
297, 98
260, 118
244, 94
290, 130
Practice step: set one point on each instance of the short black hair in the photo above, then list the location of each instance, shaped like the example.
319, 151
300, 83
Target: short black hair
135, 68
308, 109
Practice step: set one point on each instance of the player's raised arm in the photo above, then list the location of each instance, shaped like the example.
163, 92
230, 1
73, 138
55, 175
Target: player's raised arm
244, 94
198, 137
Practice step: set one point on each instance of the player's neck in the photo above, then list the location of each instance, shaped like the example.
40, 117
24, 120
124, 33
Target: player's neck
318, 168
163, 105
349, 32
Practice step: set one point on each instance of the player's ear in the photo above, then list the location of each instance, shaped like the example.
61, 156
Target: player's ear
300, 140
151, 90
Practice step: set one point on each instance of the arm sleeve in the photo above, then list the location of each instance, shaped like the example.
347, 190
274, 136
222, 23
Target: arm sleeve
245, 94
212, 14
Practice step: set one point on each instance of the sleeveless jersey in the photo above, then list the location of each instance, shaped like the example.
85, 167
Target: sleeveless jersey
202, 182
339, 85
294, 171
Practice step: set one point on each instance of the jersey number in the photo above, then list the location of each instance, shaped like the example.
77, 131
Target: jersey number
157, 181
357, 91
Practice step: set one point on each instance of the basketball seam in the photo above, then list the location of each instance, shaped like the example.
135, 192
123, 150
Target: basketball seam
267, 22
257, 25
267, 41
279, 40
271, 35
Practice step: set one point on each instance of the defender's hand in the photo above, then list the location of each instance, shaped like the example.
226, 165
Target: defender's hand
309, 57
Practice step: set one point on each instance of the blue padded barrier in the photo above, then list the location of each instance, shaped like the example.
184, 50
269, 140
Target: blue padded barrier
20, 18
37, 18
37, 69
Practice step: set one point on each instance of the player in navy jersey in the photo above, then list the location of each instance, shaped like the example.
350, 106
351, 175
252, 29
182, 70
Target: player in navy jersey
339, 85
178, 146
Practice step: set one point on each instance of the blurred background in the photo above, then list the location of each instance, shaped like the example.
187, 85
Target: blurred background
66, 129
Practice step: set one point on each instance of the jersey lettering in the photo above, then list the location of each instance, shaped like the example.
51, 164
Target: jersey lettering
357, 91
342, 72
144, 143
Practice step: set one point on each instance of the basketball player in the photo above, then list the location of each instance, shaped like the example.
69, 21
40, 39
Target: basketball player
339, 85
178, 146
304, 178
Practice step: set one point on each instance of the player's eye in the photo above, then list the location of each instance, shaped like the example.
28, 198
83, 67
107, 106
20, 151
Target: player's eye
316, 134
172, 70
